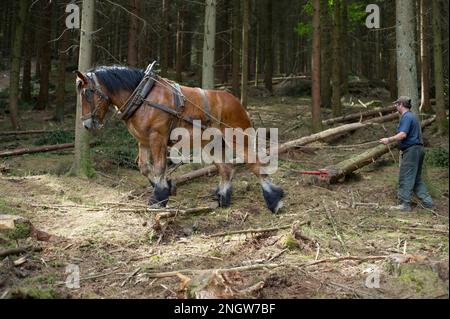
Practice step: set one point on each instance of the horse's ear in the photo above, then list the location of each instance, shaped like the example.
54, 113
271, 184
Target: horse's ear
81, 77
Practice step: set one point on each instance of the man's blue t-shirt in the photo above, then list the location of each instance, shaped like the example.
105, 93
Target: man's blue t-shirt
410, 125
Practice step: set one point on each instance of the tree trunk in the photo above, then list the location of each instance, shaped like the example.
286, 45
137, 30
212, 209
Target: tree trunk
325, 86
244, 76
179, 43
133, 34
343, 26
164, 43
26, 72
268, 47
392, 60
336, 71
236, 47
45, 57
425, 105
406, 54
15, 63
315, 63
438, 73
61, 88
82, 165
209, 45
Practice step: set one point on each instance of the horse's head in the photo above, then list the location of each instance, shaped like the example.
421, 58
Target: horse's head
94, 102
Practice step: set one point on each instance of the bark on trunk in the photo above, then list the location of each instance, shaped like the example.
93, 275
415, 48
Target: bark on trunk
82, 165
438, 73
16, 55
315, 63
132, 34
425, 105
406, 53
209, 45
244, 76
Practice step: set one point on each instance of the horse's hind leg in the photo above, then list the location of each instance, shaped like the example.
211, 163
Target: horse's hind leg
223, 191
272, 193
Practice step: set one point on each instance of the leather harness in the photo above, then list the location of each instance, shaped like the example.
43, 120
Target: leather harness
138, 98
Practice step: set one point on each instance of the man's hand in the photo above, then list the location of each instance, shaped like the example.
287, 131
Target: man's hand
385, 140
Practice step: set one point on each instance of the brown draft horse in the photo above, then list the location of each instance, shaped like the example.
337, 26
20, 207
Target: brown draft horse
103, 86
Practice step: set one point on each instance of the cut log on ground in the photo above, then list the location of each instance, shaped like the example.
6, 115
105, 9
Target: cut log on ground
31, 132
359, 115
16, 251
211, 170
176, 212
336, 172
39, 149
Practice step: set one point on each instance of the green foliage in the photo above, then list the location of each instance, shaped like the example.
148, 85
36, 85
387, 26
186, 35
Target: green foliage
118, 145
437, 157
56, 137
356, 14
303, 28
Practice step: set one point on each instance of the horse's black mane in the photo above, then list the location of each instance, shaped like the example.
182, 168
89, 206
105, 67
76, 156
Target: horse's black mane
117, 77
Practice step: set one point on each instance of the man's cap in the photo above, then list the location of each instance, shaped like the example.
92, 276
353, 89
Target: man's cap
405, 100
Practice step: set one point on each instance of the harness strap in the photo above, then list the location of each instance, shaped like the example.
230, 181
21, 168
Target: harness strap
167, 109
206, 106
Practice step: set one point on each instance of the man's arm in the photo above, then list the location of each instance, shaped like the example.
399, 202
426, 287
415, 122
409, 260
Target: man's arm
398, 137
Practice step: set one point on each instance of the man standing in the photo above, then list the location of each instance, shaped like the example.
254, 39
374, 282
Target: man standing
409, 138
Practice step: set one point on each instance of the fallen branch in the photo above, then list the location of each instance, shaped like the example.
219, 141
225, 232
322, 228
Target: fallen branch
220, 270
39, 149
338, 259
175, 212
16, 251
256, 230
359, 115
30, 132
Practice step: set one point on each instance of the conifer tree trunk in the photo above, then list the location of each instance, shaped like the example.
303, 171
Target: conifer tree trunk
133, 34
16, 55
245, 27
425, 105
336, 71
441, 117
82, 165
325, 86
406, 54
268, 47
236, 46
45, 57
315, 64
209, 45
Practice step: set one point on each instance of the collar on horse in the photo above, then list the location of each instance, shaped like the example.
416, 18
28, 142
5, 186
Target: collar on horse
93, 88
138, 97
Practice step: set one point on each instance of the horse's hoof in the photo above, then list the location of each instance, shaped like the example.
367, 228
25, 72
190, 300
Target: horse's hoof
223, 197
272, 196
153, 202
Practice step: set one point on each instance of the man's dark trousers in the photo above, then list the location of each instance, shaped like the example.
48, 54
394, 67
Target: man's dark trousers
410, 177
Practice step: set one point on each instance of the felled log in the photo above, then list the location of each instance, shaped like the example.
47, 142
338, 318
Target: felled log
30, 132
211, 170
337, 171
358, 115
16, 251
39, 149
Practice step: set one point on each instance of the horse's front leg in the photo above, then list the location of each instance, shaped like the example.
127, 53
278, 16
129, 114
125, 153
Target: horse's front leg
161, 185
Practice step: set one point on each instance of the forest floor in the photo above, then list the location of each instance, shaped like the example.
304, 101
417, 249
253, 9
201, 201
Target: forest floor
100, 225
